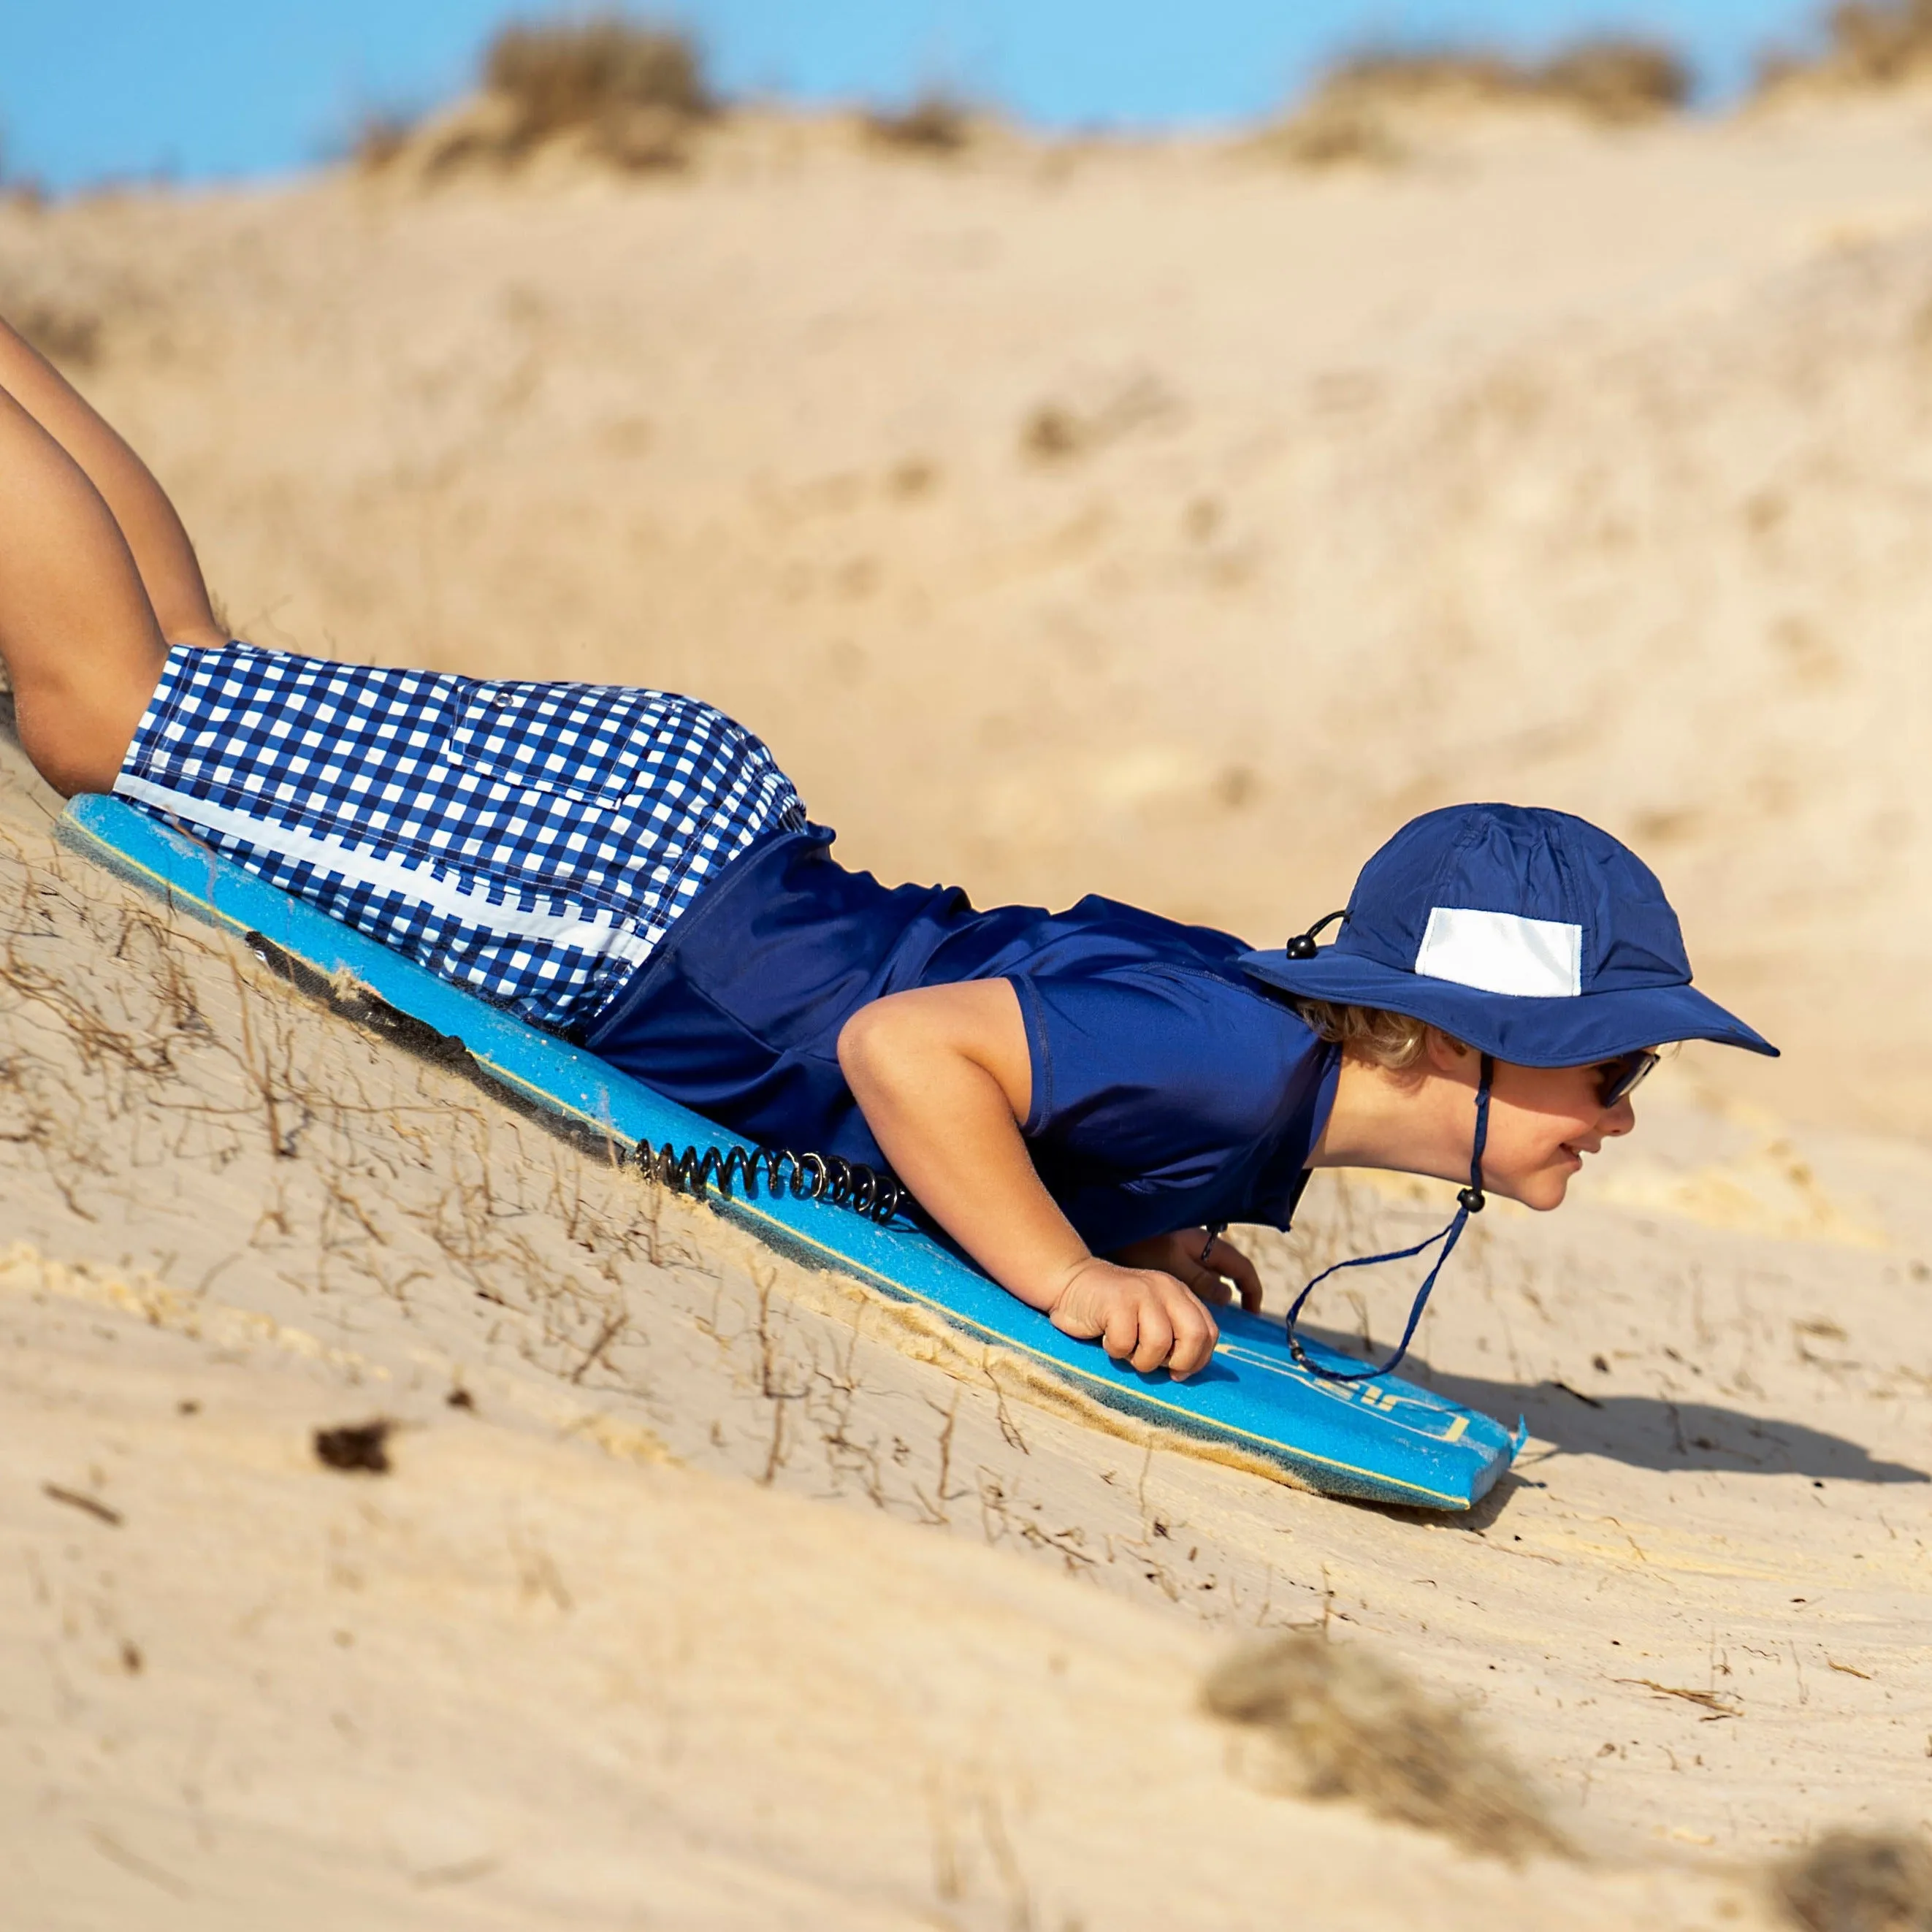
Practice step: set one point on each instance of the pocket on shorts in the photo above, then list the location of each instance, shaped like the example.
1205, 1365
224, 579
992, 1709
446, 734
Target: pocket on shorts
589, 741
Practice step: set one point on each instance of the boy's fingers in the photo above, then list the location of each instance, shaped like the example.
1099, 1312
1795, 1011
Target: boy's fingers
1147, 1318
1195, 1334
1192, 1352
1209, 1287
1120, 1336
1242, 1272
1157, 1337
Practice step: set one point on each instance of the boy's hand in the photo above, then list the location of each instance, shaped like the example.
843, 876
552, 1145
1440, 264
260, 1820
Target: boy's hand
1225, 1273
1142, 1315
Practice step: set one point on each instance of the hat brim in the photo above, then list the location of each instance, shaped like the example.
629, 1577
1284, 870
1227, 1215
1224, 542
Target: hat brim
1525, 1030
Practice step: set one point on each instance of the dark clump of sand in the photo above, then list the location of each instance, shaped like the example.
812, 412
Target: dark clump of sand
355, 1447
1341, 1724
1859, 1882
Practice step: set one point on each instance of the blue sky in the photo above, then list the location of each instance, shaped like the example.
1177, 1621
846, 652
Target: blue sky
197, 89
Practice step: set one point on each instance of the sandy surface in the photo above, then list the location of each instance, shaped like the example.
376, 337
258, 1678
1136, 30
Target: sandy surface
1581, 471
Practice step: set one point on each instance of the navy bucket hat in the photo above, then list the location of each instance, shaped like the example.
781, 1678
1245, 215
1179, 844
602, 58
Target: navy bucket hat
1527, 934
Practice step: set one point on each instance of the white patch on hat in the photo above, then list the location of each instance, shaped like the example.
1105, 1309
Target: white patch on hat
1503, 953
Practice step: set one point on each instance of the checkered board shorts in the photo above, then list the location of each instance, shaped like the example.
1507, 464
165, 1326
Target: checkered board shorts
532, 843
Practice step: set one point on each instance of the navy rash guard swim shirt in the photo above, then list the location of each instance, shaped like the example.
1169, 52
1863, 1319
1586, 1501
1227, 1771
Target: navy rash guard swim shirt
1169, 1090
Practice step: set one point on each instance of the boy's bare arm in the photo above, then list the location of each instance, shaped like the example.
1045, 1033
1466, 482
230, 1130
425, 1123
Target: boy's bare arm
944, 1079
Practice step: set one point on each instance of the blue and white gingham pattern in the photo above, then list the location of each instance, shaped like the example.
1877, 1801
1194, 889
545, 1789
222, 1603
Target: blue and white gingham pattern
532, 843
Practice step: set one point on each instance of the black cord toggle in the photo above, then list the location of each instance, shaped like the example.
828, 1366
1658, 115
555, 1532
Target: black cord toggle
1302, 946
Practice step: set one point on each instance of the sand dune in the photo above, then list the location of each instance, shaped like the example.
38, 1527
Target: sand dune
1162, 521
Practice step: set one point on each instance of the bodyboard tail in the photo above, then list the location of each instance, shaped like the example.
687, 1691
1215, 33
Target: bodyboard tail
1386, 1440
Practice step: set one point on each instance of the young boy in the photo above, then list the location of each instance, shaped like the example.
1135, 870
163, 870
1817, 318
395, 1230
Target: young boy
1080, 1099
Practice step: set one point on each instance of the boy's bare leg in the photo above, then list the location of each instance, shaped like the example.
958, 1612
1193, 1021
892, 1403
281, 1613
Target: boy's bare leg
160, 546
97, 577
78, 635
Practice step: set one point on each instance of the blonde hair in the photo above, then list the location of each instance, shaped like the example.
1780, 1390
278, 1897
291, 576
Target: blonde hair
1392, 1041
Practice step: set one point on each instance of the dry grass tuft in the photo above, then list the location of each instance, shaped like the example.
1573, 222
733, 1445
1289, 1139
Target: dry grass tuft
627, 94
27, 193
1358, 112
1869, 44
563, 77
1342, 1725
67, 335
1859, 1882
63, 326
380, 138
935, 124
1615, 80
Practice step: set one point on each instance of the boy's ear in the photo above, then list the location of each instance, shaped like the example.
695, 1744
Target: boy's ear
1444, 1052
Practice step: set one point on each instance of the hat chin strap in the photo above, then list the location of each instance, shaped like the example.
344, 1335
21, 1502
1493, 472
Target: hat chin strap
1467, 1202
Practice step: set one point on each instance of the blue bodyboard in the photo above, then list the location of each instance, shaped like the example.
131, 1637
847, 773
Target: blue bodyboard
1385, 1440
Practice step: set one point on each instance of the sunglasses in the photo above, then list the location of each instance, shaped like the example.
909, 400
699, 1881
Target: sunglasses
1617, 1079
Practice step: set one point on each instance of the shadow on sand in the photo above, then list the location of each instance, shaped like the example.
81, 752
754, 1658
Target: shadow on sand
1651, 1432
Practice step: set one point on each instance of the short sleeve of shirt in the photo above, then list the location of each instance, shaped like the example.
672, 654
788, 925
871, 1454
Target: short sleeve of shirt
1161, 1094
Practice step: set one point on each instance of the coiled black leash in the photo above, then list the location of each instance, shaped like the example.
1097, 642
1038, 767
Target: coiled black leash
805, 1177
1467, 1202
